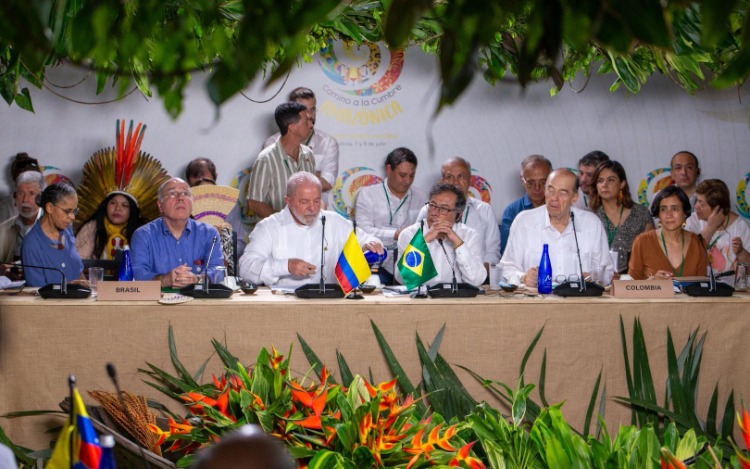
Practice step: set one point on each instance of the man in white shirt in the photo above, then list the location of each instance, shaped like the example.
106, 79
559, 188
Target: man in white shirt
324, 146
453, 245
586, 184
284, 249
552, 224
685, 171
29, 185
477, 215
384, 210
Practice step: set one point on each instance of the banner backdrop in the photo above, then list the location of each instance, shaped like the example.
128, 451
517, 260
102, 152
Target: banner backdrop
373, 100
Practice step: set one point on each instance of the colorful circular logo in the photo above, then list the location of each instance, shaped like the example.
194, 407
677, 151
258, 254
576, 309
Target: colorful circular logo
742, 203
655, 181
480, 189
348, 183
358, 68
53, 175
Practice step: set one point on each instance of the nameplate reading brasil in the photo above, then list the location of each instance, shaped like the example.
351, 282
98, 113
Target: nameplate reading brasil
642, 289
130, 291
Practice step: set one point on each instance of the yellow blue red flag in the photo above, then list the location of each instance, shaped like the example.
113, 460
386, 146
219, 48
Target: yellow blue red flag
85, 444
351, 269
416, 266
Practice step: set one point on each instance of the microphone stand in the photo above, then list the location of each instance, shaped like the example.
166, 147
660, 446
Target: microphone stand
322, 253
204, 289
455, 290
582, 287
454, 285
50, 290
206, 283
320, 289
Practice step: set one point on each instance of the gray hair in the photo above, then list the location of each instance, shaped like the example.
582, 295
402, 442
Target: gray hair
31, 177
299, 178
160, 191
535, 160
459, 160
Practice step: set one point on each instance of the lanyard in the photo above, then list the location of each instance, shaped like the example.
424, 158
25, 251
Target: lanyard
716, 239
392, 214
682, 264
466, 212
611, 229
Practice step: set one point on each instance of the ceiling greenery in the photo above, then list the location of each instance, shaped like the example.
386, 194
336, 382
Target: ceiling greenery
156, 45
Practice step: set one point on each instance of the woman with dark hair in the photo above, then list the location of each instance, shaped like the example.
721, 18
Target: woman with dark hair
668, 251
623, 219
111, 227
51, 243
725, 234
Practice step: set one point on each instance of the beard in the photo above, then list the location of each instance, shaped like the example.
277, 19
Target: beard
27, 211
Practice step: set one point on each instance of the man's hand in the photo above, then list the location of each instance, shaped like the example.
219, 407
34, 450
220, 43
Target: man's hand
300, 268
443, 229
373, 246
180, 276
662, 275
531, 277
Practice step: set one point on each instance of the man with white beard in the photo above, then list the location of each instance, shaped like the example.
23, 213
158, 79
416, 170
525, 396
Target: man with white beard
29, 186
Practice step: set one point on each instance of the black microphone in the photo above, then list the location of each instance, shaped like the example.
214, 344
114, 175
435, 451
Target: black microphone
206, 289
711, 288
321, 289
112, 373
454, 289
581, 288
53, 290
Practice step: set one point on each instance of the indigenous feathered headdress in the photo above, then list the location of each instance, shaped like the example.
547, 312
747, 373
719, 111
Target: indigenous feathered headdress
123, 169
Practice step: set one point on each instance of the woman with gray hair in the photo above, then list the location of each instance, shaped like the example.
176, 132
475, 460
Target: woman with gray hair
51, 243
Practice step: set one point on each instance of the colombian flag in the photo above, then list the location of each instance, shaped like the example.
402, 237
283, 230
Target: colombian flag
352, 268
85, 443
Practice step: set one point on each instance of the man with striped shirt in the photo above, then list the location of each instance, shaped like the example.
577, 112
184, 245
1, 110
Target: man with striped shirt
275, 164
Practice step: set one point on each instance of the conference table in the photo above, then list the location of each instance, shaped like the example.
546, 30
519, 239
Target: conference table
44, 341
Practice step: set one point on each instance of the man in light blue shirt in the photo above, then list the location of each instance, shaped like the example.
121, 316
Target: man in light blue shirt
534, 172
174, 248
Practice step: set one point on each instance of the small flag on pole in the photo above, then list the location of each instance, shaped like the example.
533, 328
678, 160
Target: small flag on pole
416, 266
84, 445
351, 269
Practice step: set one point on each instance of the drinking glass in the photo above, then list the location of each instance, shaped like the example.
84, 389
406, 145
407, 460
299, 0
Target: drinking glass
218, 275
96, 275
496, 275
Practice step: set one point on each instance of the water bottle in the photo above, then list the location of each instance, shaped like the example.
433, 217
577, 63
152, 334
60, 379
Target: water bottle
125, 274
107, 460
544, 279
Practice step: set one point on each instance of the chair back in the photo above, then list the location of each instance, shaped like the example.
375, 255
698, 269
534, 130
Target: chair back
111, 266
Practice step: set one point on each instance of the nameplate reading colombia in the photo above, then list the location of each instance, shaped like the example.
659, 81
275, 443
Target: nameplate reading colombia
130, 291
643, 288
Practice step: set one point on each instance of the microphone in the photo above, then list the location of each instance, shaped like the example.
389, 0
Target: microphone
581, 288
453, 289
112, 373
53, 290
206, 289
321, 289
711, 288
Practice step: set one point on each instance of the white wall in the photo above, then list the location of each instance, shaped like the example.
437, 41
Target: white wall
493, 127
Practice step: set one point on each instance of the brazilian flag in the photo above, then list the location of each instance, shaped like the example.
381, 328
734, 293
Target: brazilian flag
416, 266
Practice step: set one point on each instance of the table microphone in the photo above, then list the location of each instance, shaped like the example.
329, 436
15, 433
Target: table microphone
54, 290
112, 373
453, 289
581, 288
321, 289
711, 288
206, 289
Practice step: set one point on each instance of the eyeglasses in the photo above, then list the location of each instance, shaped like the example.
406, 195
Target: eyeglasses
550, 192
573, 278
534, 184
441, 210
176, 194
68, 211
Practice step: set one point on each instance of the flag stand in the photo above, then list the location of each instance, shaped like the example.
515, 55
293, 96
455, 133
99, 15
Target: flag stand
71, 442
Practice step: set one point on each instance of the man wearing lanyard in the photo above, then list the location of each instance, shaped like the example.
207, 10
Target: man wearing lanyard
477, 215
384, 210
586, 184
275, 164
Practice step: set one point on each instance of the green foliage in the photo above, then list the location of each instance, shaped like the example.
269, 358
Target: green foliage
157, 44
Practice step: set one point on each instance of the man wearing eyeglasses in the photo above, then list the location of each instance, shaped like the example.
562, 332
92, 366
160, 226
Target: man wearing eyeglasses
453, 245
384, 210
534, 172
477, 215
174, 248
552, 224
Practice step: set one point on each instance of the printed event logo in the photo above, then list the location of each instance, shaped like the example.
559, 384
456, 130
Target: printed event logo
742, 202
479, 188
53, 175
348, 183
655, 181
363, 81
